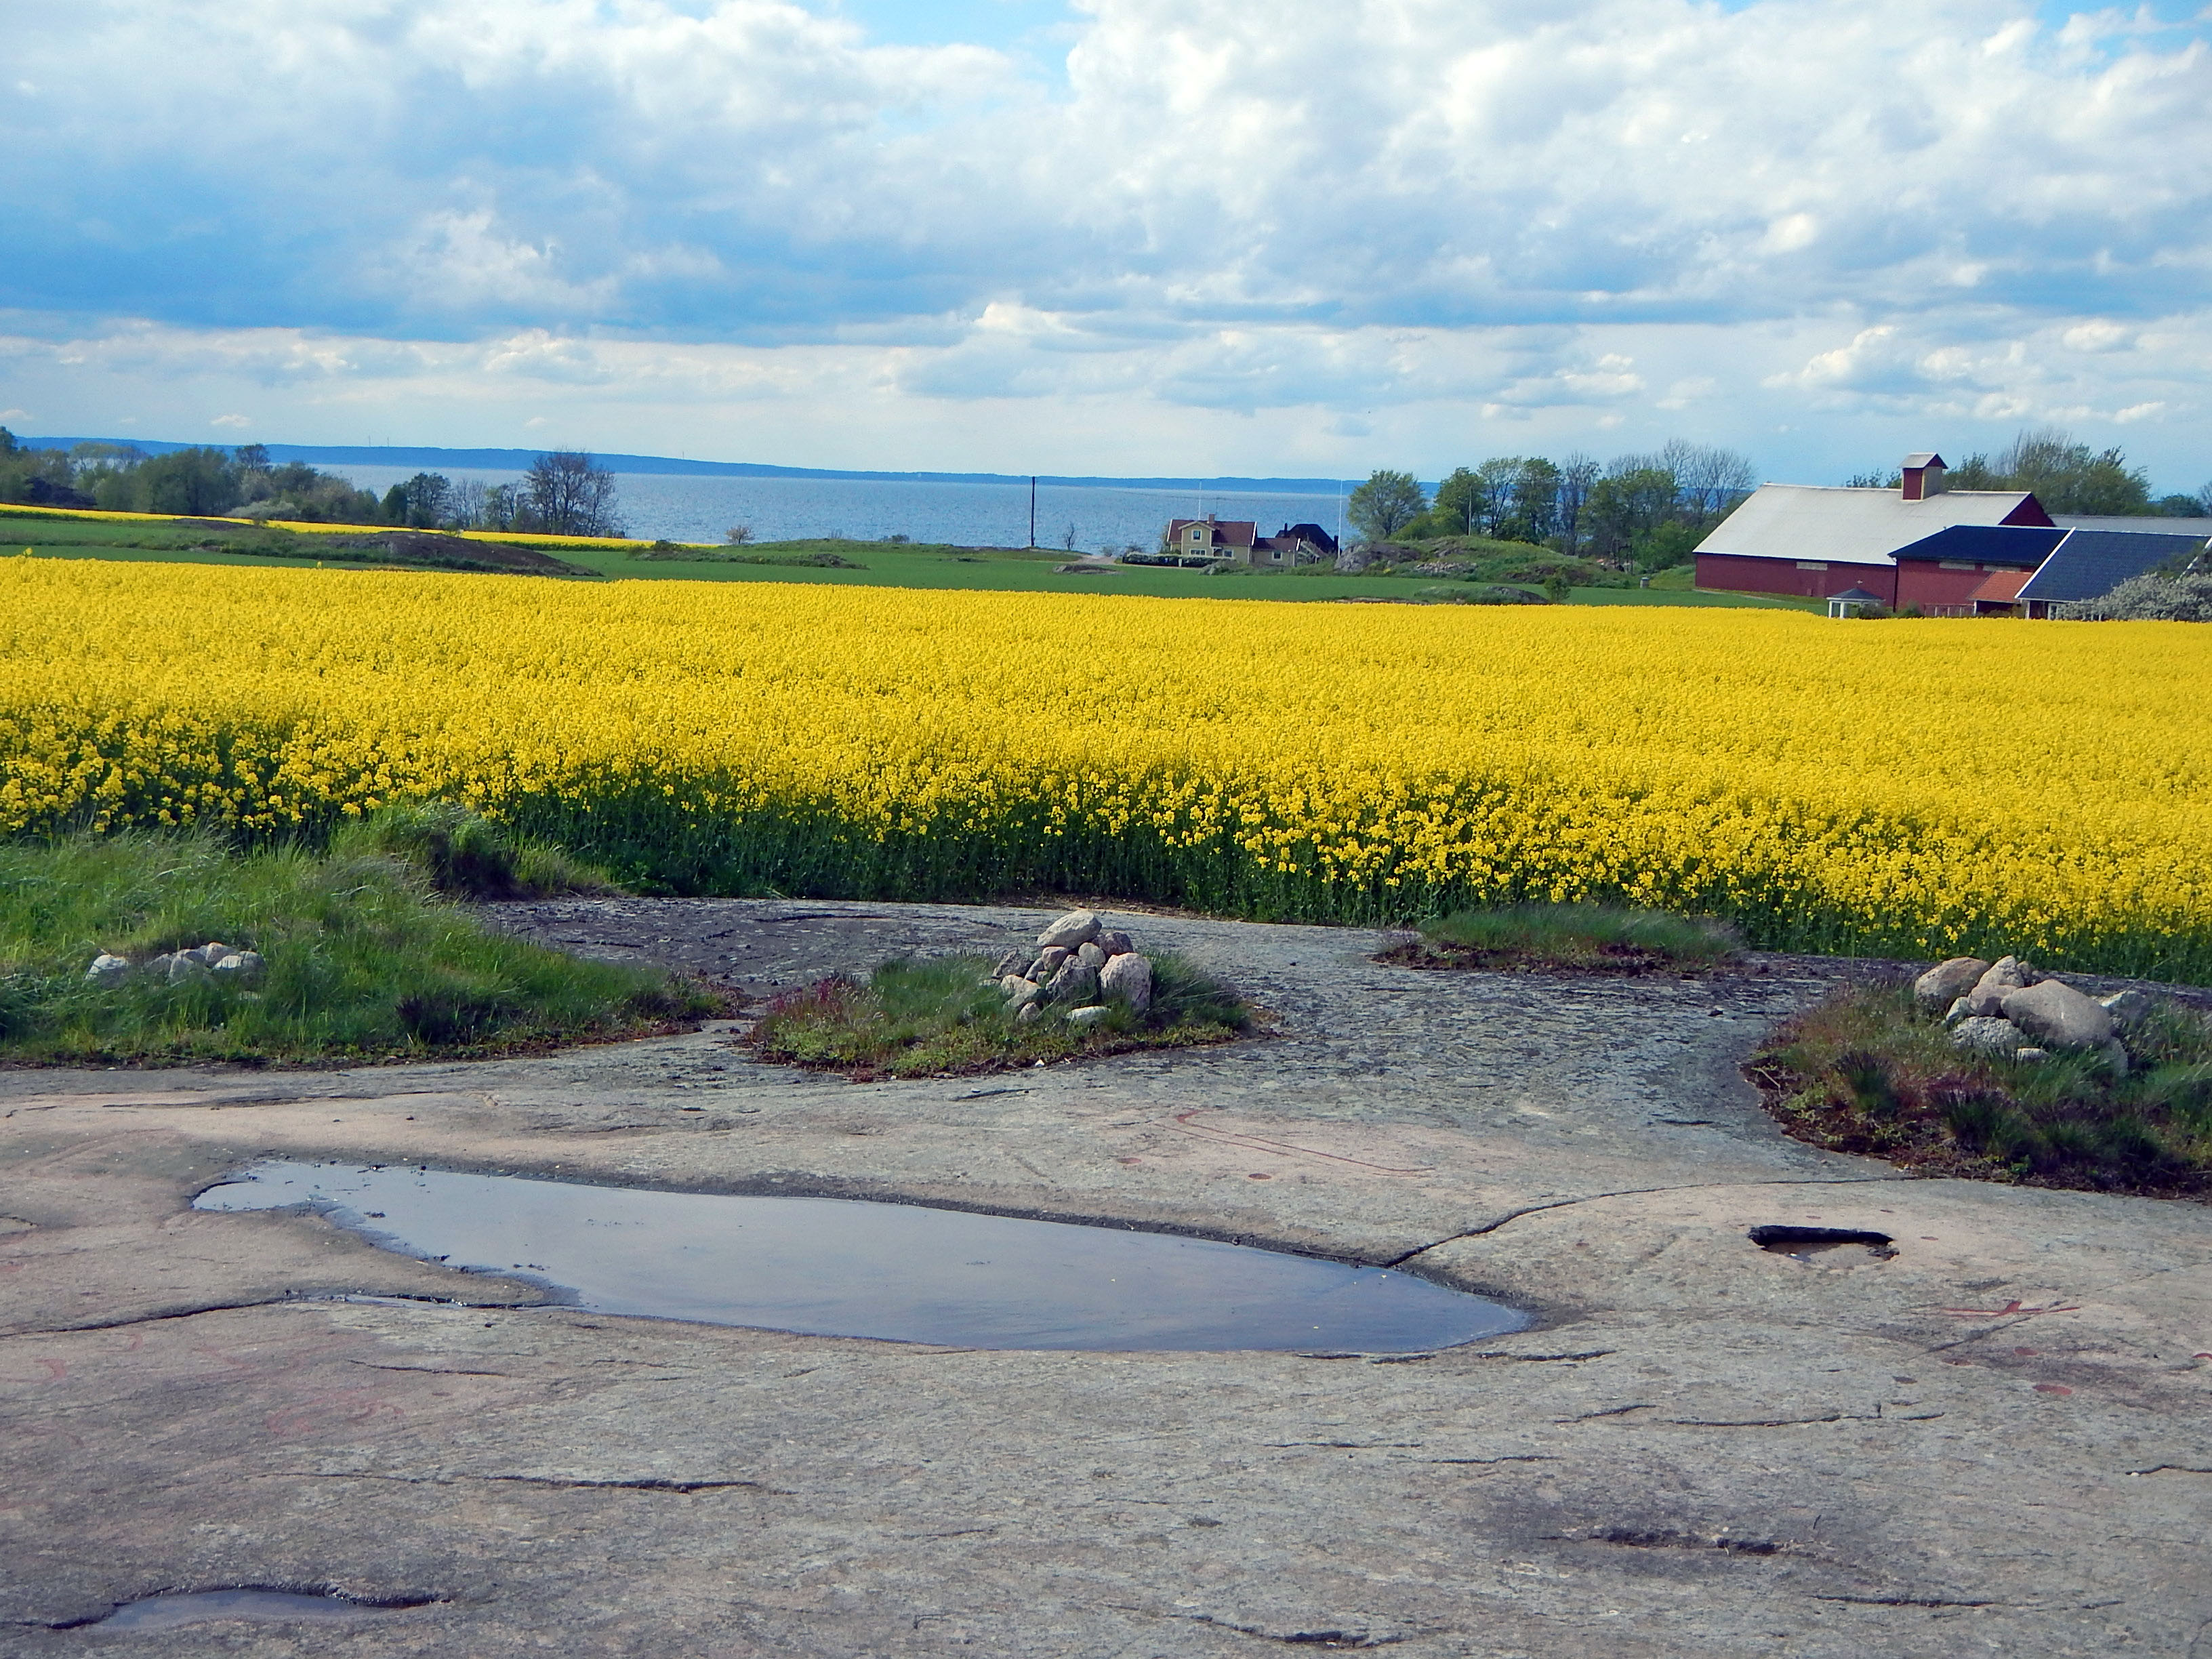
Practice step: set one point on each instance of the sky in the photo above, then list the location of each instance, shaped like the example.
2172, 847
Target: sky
1307, 238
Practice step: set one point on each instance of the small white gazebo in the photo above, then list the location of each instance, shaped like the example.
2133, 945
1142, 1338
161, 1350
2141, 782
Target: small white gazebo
1851, 601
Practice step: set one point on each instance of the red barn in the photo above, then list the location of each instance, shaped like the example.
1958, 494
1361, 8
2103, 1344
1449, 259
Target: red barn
1921, 545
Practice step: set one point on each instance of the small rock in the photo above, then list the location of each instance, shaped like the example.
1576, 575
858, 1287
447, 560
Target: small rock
1012, 963
1074, 982
2127, 1008
1114, 943
1959, 1011
1091, 956
1946, 981
1076, 927
1020, 991
1028, 1015
244, 966
2030, 1054
2116, 1056
212, 952
184, 965
1988, 1037
2060, 1015
1986, 999
1089, 1016
1128, 976
108, 971
1047, 962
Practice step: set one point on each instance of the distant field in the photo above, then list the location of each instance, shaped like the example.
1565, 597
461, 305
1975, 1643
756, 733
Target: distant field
136, 538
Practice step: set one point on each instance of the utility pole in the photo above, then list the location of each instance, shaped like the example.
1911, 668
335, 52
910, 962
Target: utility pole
1032, 512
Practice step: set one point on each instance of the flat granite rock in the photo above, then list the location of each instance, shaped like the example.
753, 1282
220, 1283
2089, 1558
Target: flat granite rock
1992, 1435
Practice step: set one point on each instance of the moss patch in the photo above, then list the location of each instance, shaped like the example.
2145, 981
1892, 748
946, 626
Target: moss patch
1869, 1071
1567, 939
946, 1016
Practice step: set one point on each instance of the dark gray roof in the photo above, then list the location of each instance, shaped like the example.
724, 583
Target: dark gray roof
1987, 544
2090, 563
1855, 596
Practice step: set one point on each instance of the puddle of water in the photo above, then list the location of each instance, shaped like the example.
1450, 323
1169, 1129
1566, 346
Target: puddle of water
259, 1605
1807, 1243
900, 1273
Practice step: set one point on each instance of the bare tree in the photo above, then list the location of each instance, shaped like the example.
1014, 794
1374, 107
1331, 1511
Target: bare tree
568, 493
1708, 482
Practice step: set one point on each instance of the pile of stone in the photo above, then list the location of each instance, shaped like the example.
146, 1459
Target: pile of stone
214, 960
1080, 966
2006, 1007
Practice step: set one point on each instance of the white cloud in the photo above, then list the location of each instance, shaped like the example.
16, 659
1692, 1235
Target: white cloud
1877, 210
233, 420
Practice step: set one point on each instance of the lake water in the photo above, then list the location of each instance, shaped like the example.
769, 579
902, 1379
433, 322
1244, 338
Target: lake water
1098, 517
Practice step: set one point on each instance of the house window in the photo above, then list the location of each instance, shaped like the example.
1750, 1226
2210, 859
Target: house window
1811, 564
1196, 535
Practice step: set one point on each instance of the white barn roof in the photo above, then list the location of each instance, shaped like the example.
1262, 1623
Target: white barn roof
1839, 524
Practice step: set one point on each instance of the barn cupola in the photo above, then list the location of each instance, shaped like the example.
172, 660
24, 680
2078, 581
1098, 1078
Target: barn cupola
1924, 475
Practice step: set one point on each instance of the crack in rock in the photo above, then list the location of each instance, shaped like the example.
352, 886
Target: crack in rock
579, 1483
1300, 1638
1630, 1192
1661, 1538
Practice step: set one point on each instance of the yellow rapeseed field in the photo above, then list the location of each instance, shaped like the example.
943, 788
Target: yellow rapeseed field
1904, 786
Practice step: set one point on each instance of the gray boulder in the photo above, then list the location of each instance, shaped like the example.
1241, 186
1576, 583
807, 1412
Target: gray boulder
1091, 956
184, 965
1958, 1011
1988, 1037
210, 953
108, 971
1012, 963
2127, 1008
1089, 1016
1019, 990
1029, 1015
1946, 981
1048, 963
1076, 927
1129, 978
1986, 999
1114, 943
2054, 1013
243, 967
1074, 982
2116, 1056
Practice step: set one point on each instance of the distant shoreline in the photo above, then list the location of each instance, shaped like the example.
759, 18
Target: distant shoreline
429, 459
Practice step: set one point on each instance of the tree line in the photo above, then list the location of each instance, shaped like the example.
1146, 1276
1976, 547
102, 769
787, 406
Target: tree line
1645, 512
2066, 475
565, 493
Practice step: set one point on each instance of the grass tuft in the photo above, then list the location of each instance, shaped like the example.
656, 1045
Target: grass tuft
946, 1016
1568, 938
364, 960
466, 856
1869, 1071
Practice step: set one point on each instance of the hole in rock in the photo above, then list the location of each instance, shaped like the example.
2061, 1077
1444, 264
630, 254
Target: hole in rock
166, 1612
1806, 1242
898, 1272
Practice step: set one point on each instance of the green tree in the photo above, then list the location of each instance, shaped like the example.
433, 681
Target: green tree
2067, 476
1632, 500
196, 484
1386, 503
